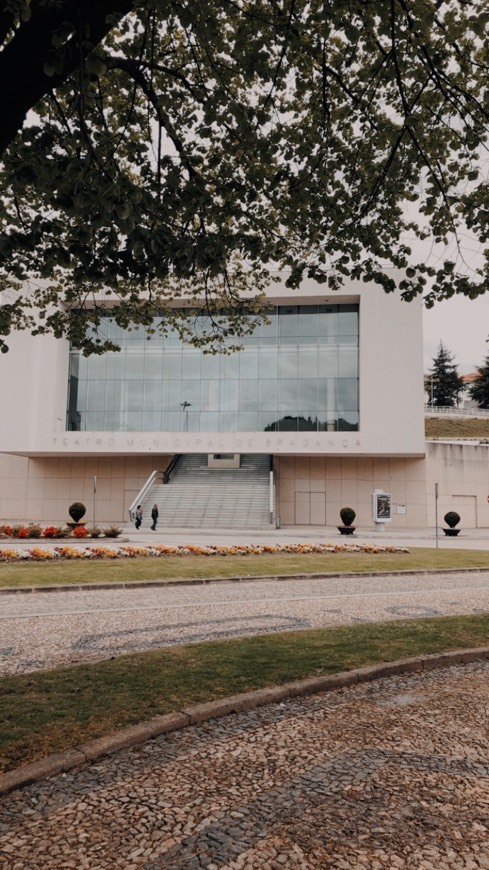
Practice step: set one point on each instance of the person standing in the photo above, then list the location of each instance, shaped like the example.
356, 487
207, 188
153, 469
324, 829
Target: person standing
138, 516
154, 516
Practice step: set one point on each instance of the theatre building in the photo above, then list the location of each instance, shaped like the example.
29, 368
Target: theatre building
321, 409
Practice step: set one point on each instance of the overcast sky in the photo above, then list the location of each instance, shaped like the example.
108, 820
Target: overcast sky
463, 326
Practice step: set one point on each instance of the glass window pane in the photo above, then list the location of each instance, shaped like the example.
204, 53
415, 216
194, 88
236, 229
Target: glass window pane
267, 362
288, 423
116, 365
248, 364
267, 395
307, 421
134, 421
134, 365
288, 320
248, 398
133, 396
209, 395
230, 366
228, 396
287, 363
97, 367
151, 421
173, 365
348, 421
228, 422
308, 394
348, 362
308, 320
191, 364
152, 396
328, 362
307, 362
348, 394
248, 422
267, 421
348, 320
210, 366
96, 396
153, 365
94, 421
136, 336
191, 393
268, 332
209, 422
287, 395
328, 322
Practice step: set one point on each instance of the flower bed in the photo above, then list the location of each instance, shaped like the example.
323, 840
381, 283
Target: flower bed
100, 552
33, 530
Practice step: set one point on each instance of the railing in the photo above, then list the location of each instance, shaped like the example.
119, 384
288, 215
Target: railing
455, 412
171, 467
165, 476
142, 494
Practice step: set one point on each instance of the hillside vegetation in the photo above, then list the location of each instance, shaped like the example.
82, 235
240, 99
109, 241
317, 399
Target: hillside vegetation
456, 427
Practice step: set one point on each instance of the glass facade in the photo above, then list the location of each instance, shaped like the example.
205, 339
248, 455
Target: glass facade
298, 372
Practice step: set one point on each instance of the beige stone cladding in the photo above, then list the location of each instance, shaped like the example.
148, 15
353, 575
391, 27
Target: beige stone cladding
41, 489
461, 471
312, 490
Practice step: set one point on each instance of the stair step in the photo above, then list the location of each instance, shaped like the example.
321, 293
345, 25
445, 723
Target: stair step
220, 498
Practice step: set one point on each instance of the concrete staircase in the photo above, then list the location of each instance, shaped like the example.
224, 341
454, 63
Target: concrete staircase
202, 497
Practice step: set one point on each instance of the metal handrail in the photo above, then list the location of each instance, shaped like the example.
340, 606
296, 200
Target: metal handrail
171, 466
447, 411
142, 493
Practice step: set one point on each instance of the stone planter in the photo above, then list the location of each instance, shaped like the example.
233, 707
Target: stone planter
451, 532
346, 530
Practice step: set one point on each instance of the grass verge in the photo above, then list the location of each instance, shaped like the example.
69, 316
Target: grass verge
49, 711
184, 567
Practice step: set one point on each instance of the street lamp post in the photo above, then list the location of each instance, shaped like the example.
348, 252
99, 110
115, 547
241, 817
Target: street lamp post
184, 406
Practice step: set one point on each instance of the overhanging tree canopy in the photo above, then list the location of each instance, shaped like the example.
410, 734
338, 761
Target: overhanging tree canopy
177, 144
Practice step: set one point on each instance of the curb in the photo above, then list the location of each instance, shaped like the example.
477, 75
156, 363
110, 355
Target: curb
62, 762
247, 578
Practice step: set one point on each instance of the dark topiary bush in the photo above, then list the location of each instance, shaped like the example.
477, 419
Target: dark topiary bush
347, 515
77, 510
451, 519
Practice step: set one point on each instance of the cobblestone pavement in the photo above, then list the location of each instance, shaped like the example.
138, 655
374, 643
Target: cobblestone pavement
391, 774
43, 630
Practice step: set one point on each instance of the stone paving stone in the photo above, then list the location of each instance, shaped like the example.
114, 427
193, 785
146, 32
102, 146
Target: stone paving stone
383, 775
41, 631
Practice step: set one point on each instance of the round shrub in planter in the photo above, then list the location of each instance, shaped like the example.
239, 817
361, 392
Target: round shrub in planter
451, 518
77, 510
347, 515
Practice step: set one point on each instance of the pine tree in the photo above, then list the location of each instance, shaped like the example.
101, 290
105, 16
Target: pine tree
444, 384
479, 388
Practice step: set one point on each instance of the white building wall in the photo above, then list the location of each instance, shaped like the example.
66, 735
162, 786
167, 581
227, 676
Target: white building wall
44, 468
33, 376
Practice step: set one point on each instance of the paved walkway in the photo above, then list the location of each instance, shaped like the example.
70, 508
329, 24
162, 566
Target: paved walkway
474, 539
42, 630
391, 774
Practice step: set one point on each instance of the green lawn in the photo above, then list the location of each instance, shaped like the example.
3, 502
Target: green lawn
184, 567
50, 711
